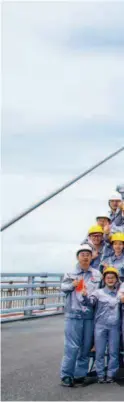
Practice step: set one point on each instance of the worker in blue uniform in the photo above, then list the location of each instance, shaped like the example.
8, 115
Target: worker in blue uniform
121, 293
79, 319
95, 239
116, 257
116, 209
103, 219
107, 324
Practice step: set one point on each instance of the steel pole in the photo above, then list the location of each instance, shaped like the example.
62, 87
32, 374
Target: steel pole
56, 192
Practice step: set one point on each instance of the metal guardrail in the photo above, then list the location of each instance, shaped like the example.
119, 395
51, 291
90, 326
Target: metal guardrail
24, 297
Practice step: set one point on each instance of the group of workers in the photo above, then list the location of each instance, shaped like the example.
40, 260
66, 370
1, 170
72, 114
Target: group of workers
94, 307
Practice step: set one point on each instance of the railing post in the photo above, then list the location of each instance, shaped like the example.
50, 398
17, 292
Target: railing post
42, 291
63, 297
29, 293
59, 297
9, 293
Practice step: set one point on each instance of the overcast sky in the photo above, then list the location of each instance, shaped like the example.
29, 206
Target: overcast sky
63, 110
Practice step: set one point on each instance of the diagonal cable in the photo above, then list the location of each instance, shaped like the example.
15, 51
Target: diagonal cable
59, 190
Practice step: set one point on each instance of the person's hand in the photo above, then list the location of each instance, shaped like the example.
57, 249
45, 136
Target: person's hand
94, 255
121, 205
107, 229
122, 298
104, 265
84, 292
75, 283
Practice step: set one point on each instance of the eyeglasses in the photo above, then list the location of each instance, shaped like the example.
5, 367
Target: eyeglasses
97, 235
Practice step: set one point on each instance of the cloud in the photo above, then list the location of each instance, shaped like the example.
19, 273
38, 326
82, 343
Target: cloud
63, 96
65, 148
44, 82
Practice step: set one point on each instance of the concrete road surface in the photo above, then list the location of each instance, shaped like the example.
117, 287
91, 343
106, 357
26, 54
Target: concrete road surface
31, 356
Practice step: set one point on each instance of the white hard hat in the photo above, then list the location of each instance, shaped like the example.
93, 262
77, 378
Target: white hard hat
103, 214
84, 247
115, 196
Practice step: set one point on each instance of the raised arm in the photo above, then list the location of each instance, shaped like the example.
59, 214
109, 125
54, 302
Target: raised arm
88, 300
68, 284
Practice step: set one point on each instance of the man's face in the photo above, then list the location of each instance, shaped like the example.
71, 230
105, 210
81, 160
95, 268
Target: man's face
110, 280
84, 258
96, 238
100, 222
114, 204
118, 247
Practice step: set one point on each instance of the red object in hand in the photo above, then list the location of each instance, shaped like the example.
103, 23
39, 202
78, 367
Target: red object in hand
81, 286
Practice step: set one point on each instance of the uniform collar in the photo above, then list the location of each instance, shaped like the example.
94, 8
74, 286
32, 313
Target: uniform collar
79, 270
114, 257
109, 291
101, 248
112, 213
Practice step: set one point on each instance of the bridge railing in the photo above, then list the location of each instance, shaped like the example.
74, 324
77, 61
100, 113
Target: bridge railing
30, 295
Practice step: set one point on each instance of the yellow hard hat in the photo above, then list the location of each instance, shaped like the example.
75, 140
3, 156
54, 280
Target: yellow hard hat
117, 236
111, 270
95, 229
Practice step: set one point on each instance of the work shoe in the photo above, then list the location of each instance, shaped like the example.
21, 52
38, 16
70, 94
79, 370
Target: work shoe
101, 380
87, 381
67, 382
79, 380
109, 380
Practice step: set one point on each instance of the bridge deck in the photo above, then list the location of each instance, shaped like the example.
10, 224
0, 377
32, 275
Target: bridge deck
31, 355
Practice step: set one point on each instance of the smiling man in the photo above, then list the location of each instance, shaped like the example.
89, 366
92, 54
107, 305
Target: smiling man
79, 323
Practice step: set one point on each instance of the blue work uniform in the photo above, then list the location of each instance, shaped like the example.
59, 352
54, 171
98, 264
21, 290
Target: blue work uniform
95, 263
116, 262
79, 323
121, 291
117, 229
117, 217
107, 329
